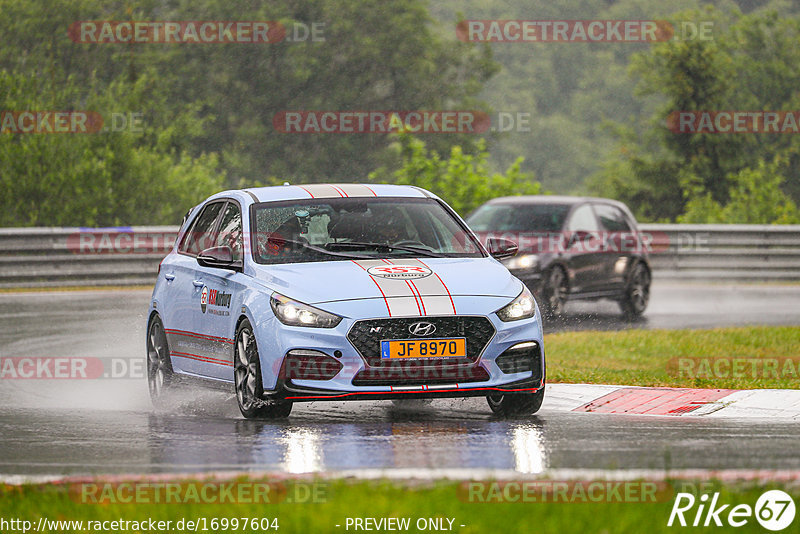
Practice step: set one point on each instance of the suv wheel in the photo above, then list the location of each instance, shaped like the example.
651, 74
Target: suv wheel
637, 292
554, 293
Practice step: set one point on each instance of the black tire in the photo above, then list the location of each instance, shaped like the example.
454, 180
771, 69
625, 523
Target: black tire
516, 404
247, 379
554, 293
637, 292
159, 364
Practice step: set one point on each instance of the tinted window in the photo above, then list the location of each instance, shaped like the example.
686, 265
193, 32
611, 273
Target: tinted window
519, 218
199, 237
583, 220
612, 218
230, 231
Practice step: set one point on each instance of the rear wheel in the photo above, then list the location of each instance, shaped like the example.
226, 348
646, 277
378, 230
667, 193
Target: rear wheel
637, 292
517, 403
159, 365
247, 379
554, 292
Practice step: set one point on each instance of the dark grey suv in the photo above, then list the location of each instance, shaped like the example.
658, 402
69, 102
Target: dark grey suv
571, 248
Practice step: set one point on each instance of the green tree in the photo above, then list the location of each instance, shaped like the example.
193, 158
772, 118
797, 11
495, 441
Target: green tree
751, 64
462, 180
104, 178
755, 197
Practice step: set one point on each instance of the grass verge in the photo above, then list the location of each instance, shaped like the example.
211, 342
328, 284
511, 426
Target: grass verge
735, 358
335, 501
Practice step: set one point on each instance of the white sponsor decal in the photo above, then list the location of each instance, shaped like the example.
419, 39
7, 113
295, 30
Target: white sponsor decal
400, 272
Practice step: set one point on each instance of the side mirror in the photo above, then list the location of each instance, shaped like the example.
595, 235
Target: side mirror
220, 257
501, 248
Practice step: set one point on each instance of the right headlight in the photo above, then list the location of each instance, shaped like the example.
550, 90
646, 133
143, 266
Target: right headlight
522, 307
523, 261
293, 313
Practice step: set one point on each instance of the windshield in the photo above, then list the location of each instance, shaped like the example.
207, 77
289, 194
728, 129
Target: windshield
351, 228
519, 218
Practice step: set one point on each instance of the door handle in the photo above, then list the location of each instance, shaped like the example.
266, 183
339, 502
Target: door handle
169, 276
197, 283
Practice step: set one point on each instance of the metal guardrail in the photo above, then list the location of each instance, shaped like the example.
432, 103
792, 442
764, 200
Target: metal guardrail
63, 257
725, 251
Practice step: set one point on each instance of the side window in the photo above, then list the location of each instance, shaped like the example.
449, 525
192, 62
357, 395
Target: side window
583, 220
612, 218
230, 231
199, 236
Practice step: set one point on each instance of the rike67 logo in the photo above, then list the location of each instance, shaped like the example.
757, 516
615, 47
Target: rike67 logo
774, 510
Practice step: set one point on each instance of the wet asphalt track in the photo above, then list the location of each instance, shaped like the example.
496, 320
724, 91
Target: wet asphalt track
70, 427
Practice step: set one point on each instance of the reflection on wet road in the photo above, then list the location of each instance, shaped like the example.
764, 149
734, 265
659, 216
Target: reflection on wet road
108, 426
457, 435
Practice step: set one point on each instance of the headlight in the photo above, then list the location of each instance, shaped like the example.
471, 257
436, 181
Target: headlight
522, 307
525, 261
293, 313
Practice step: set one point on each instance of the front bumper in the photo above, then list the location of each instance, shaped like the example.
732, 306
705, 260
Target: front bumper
477, 375
293, 393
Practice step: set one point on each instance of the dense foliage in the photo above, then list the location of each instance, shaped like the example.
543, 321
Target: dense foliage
206, 111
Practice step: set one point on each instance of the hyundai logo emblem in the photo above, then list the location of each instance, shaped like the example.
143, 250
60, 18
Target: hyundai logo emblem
422, 328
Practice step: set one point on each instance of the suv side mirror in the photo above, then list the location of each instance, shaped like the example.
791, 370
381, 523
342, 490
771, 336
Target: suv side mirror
501, 248
220, 257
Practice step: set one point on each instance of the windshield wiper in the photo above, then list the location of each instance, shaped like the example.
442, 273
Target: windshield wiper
383, 247
321, 250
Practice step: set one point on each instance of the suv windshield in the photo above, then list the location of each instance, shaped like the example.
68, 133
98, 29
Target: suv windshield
519, 218
349, 228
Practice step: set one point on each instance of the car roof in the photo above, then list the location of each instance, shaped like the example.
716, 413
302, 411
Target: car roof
309, 191
552, 199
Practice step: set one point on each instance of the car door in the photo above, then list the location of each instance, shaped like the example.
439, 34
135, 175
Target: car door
582, 254
186, 346
617, 239
221, 296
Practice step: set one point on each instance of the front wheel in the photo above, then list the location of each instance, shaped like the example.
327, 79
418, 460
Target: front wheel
637, 292
247, 379
517, 403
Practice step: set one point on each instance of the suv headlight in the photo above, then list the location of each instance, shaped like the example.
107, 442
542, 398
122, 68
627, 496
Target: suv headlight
524, 261
522, 307
293, 313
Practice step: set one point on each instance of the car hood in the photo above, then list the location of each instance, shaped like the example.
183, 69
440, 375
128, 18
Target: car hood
427, 279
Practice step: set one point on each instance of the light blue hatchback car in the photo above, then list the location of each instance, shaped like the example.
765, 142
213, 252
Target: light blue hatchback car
336, 292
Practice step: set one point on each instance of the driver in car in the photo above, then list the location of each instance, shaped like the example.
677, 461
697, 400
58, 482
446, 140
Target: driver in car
390, 226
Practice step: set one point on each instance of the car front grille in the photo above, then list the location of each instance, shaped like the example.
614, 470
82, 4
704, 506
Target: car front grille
366, 336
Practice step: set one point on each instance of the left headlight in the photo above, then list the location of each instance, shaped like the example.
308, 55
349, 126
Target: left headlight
522, 307
523, 261
293, 313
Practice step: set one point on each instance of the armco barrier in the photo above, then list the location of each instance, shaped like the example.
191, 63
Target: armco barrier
61, 257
